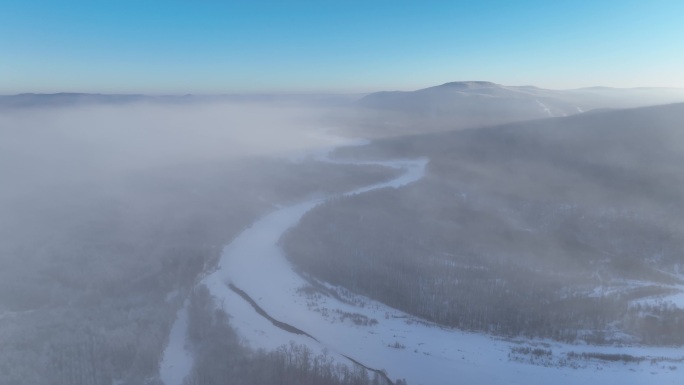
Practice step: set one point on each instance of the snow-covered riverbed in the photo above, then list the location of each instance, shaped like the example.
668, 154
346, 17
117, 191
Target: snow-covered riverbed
254, 263
382, 337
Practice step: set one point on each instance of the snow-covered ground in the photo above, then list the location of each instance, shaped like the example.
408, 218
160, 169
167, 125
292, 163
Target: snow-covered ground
546, 108
674, 296
381, 337
676, 299
177, 360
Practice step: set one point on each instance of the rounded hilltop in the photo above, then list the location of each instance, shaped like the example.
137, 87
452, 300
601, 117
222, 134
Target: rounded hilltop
473, 84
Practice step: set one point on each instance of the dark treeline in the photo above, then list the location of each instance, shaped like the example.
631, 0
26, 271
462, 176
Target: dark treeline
475, 271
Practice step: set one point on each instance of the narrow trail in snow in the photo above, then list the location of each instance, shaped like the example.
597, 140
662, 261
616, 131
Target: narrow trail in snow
382, 373
282, 325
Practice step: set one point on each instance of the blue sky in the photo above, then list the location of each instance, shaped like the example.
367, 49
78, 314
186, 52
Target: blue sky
171, 47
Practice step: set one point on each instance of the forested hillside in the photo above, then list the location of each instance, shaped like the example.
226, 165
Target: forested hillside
566, 228
91, 274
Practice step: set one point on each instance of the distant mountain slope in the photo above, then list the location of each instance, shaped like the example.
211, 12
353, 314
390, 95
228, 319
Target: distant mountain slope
468, 104
66, 99
474, 99
568, 228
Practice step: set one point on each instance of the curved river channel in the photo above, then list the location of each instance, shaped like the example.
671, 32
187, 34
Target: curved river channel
256, 284
254, 272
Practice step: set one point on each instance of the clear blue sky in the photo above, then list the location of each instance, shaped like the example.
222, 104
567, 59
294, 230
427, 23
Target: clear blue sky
147, 46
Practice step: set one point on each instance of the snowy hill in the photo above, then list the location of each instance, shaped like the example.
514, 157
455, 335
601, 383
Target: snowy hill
468, 104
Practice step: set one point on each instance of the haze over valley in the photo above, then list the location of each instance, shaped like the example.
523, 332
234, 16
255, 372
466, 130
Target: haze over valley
334, 194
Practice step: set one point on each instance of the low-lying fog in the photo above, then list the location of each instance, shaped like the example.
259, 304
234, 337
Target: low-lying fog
106, 209
42, 148
92, 141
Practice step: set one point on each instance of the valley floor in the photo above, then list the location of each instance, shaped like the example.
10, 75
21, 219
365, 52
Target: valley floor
344, 326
